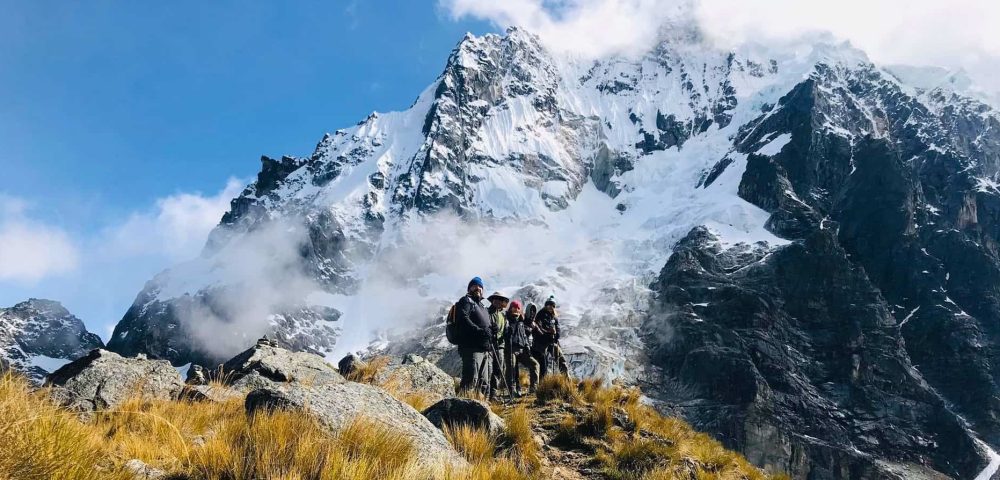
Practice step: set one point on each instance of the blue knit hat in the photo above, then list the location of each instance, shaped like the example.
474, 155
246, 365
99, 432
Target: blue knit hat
476, 281
551, 301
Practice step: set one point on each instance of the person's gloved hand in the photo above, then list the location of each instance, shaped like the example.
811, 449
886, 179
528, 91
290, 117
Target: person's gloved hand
494, 329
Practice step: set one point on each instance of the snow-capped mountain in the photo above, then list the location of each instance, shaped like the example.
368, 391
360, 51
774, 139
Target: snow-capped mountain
38, 336
796, 249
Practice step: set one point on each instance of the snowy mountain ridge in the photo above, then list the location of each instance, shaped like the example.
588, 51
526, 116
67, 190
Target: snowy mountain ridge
38, 336
591, 180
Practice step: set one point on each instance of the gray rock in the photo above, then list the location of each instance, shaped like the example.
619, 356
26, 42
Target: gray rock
412, 358
336, 405
266, 363
416, 375
104, 379
251, 381
453, 412
211, 393
141, 471
196, 375
349, 364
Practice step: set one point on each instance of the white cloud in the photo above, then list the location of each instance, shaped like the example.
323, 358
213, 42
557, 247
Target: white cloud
955, 34
586, 27
98, 271
176, 228
959, 34
29, 249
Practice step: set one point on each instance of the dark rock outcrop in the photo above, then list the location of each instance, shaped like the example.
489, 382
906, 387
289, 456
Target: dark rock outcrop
456, 412
864, 348
349, 364
103, 379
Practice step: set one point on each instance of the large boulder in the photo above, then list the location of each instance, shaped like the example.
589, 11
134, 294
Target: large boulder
264, 364
196, 375
103, 379
416, 375
336, 405
349, 364
456, 412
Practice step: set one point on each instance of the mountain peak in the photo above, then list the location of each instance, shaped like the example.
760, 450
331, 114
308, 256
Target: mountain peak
37, 336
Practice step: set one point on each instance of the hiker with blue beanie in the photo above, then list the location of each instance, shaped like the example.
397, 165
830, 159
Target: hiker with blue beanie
474, 338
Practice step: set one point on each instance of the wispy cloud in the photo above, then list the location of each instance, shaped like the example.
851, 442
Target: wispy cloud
31, 250
584, 27
175, 228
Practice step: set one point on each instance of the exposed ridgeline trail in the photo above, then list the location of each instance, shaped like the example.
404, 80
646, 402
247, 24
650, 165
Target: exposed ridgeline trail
820, 235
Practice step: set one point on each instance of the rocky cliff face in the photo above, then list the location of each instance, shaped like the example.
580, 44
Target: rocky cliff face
820, 235
38, 336
872, 336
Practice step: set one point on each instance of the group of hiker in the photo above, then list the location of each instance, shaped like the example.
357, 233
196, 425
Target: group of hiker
494, 342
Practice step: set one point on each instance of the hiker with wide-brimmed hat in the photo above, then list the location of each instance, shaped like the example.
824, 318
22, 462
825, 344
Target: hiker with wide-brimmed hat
500, 330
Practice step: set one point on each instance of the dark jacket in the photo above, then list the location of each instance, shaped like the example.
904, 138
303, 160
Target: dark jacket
519, 333
473, 324
546, 330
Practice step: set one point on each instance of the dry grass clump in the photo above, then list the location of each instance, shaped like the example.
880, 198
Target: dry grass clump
498, 469
190, 440
520, 441
367, 371
286, 444
418, 400
40, 441
475, 444
511, 455
556, 387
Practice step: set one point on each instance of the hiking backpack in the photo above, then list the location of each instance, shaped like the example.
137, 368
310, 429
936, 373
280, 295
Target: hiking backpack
451, 326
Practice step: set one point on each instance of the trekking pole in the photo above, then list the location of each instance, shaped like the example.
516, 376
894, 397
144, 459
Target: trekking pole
496, 358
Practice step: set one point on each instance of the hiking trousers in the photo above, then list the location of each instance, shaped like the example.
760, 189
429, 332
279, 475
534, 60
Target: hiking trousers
518, 357
499, 370
559, 358
476, 370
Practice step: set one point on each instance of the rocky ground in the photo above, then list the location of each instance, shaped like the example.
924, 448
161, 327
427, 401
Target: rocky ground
141, 420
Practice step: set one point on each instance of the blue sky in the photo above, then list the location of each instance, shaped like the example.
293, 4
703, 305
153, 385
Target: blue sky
114, 113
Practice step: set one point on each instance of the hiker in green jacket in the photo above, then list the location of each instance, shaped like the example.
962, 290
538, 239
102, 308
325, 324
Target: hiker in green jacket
498, 323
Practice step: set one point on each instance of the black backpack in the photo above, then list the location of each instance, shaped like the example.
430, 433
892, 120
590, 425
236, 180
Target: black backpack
451, 326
